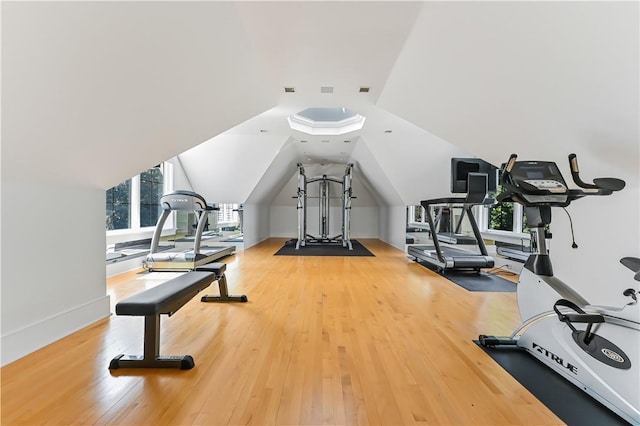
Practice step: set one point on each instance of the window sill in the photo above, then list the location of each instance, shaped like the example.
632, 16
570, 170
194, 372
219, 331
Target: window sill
506, 236
121, 235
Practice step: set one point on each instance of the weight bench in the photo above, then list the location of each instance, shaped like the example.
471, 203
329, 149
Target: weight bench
165, 298
218, 269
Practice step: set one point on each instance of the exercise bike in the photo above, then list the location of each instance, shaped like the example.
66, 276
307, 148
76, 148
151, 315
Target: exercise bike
597, 348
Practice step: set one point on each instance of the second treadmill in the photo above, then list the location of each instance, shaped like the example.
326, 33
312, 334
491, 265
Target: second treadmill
449, 258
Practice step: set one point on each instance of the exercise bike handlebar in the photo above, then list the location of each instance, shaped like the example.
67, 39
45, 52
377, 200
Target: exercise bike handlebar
609, 185
513, 192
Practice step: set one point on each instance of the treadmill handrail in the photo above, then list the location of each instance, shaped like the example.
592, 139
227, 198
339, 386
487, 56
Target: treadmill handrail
467, 208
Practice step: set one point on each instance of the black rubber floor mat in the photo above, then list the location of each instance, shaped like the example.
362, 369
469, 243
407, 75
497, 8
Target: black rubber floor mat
289, 249
566, 401
473, 281
480, 282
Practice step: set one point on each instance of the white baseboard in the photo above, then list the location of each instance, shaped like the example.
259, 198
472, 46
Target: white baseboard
19, 343
118, 268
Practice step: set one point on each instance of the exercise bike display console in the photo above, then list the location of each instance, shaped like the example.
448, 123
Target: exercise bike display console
547, 185
596, 348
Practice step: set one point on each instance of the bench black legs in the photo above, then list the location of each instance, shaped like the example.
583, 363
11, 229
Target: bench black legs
224, 293
151, 357
218, 269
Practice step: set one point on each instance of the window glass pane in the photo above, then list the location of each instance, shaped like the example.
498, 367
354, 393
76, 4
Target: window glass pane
525, 227
119, 206
228, 213
501, 216
151, 187
417, 213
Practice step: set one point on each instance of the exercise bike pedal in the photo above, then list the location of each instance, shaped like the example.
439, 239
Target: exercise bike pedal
492, 341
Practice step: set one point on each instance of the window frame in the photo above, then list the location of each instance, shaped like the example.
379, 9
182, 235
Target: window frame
135, 231
481, 214
514, 236
411, 215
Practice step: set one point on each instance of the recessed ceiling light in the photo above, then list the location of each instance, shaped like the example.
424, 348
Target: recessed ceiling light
388, 131
289, 89
364, 89
326, 89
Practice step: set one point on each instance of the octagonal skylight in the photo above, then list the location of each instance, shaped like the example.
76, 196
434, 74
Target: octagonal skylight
326, 121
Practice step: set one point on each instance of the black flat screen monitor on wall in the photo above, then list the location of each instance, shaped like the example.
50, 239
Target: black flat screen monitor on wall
460, 169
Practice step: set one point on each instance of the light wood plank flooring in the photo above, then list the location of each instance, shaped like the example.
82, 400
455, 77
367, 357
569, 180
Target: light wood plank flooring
323, 340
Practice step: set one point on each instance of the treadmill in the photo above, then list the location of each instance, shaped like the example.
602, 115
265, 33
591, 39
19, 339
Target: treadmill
443, 258
190, 259
454, 237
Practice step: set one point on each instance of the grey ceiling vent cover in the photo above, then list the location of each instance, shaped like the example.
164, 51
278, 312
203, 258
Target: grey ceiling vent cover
364, 89
326, 89
289, 89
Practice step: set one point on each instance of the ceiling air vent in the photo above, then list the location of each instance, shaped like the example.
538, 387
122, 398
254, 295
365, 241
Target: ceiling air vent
364, 89
289, 90
326, 89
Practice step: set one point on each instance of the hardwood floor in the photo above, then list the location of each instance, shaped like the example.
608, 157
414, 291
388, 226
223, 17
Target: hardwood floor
323, 340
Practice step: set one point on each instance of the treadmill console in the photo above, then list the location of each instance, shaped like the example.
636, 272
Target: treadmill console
183, 200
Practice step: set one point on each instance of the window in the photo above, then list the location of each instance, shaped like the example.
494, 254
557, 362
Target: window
501, 216
415, 215
151, 190
502, 220
135, 203
228, 213
119, 206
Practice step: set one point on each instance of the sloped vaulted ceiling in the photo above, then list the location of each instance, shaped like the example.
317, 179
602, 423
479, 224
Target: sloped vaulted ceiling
496, 77
95, 92
342, 46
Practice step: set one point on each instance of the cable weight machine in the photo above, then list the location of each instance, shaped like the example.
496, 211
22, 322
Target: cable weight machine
324, 209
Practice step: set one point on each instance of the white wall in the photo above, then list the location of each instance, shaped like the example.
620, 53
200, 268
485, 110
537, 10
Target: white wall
256, 224
180, 178
53, 274
227, 168
393, 225
409, 161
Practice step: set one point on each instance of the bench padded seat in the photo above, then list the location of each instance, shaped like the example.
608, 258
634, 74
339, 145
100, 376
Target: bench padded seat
217, 267
166, 298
